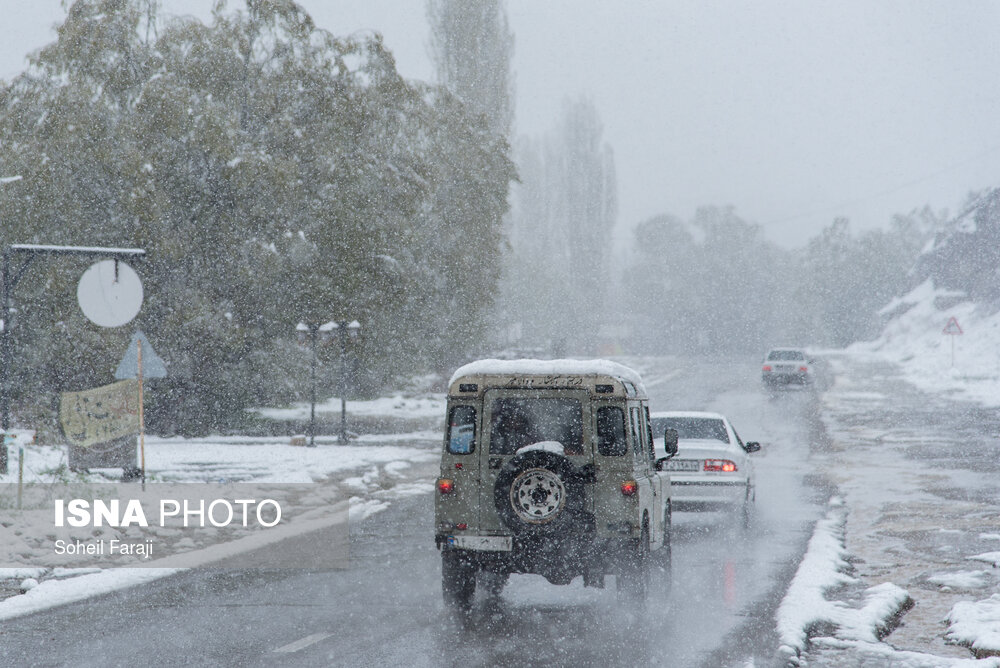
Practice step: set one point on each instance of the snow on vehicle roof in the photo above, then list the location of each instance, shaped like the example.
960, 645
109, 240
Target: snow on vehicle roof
686, 414
567, 367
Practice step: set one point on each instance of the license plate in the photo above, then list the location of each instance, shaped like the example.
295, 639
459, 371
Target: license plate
487, 543
683, 464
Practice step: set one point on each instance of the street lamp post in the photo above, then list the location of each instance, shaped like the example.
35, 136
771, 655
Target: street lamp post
307, 334
346, 330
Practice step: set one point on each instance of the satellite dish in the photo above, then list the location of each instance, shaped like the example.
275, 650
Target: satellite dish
110, 293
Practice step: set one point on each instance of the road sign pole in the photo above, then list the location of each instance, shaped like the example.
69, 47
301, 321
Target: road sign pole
142, 422
20, 474
5, 361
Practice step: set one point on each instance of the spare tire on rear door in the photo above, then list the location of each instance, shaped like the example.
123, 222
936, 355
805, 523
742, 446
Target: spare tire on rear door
539, 492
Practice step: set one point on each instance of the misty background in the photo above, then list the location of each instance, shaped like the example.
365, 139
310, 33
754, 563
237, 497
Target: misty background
277, 173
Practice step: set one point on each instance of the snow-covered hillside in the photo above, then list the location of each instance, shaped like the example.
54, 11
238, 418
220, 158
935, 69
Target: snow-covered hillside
945, 331
965, 365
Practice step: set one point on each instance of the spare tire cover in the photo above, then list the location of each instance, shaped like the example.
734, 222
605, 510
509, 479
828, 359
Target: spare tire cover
538, 491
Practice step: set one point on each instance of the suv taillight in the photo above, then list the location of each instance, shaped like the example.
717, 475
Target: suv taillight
445, 485
630, 487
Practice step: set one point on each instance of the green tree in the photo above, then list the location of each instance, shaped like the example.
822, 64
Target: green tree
274, 173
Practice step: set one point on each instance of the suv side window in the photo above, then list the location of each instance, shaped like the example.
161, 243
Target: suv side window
638, 443
462, 430
650, 454
611, 440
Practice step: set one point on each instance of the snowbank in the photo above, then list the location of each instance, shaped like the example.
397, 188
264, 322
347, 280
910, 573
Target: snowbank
976, 625
805, 610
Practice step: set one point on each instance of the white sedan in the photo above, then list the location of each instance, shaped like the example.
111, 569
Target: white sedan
712, 469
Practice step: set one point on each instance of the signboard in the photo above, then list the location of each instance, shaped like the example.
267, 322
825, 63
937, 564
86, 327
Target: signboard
952, 328
100, 415
153, 365
109, 293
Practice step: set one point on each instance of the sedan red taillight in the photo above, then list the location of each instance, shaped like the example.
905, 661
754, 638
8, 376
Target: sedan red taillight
720, 465
767, 367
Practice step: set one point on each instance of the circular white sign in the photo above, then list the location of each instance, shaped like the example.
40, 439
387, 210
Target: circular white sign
110, 293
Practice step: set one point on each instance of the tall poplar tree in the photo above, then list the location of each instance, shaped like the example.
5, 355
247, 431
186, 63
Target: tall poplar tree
472, 47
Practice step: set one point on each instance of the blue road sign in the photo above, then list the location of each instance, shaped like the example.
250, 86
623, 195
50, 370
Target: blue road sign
153, 365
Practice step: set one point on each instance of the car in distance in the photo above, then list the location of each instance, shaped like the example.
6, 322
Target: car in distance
786, 366
712, 469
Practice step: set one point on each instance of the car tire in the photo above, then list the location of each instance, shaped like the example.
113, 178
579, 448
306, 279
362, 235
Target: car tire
458, 580
491, 584
633, 576
664, 556
748, 507
539, 493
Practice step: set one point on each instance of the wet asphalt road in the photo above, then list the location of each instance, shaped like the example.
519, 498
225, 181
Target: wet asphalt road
714, 609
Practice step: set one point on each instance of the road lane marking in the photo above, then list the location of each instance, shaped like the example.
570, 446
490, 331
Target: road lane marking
302, 644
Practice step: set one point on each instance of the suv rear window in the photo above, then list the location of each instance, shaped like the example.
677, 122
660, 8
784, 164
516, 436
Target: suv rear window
462, 430
785, 355
611, 431
519, 422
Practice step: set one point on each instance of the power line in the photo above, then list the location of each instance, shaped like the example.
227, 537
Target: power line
835, 208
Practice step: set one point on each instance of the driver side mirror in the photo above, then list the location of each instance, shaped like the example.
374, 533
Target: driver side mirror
670, 441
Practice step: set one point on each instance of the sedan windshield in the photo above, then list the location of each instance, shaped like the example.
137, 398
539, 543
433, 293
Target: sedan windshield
785, 355
692, 427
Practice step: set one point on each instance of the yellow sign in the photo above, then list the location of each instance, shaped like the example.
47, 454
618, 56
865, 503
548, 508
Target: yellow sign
101, 414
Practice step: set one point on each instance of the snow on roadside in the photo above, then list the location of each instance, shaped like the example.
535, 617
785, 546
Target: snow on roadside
398, 405
962, 580
56, 592
976, 625
992, 558
385, 466
239, 459
903, 525
805, 610
914, 338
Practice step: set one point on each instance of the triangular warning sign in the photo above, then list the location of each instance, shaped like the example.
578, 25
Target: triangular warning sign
952, 327
152, 365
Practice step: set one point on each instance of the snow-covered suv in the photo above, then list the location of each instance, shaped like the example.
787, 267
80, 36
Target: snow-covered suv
548, 468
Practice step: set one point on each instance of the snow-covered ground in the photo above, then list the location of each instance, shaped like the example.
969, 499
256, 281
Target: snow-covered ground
963, 365
914, 514
398, 405
916, 524
362, 476
823, 569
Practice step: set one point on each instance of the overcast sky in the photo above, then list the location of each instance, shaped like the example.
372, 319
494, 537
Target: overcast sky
793, 112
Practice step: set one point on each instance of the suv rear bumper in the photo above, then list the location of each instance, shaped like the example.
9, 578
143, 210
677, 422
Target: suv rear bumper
557, 559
